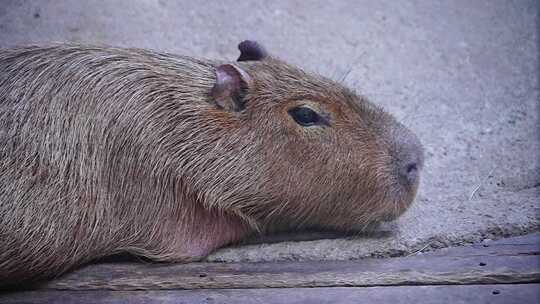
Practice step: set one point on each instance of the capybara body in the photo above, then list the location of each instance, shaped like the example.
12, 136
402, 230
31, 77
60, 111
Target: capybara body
107, 150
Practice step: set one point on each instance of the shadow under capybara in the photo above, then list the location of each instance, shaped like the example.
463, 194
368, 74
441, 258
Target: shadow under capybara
108, 150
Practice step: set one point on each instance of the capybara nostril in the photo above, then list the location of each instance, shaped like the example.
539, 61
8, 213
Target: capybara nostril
410, 172
410, 158
411, 168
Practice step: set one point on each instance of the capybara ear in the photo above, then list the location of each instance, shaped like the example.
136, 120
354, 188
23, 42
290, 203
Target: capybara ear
251, 51
231, 81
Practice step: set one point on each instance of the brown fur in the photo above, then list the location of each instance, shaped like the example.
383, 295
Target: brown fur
107, 150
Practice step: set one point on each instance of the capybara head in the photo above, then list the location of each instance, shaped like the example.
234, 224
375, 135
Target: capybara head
315, 153
106, 150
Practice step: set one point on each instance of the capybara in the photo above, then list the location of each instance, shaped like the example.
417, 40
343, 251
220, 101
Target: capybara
109, 150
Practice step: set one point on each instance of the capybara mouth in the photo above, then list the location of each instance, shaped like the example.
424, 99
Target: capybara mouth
395, 208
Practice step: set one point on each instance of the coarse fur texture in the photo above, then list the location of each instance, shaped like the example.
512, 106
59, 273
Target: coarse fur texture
106, 150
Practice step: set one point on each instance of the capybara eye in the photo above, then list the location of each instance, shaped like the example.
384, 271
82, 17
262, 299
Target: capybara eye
305, 116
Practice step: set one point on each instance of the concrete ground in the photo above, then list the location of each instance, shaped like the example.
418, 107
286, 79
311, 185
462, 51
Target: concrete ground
464, 75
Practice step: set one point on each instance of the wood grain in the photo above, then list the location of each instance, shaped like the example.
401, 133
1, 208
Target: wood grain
507, 261
507, 294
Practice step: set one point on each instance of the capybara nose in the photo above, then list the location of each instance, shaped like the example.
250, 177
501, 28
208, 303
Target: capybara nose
410, 158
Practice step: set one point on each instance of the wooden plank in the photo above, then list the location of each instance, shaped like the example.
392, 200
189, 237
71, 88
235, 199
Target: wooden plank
443, 270
516, 262
507, 294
